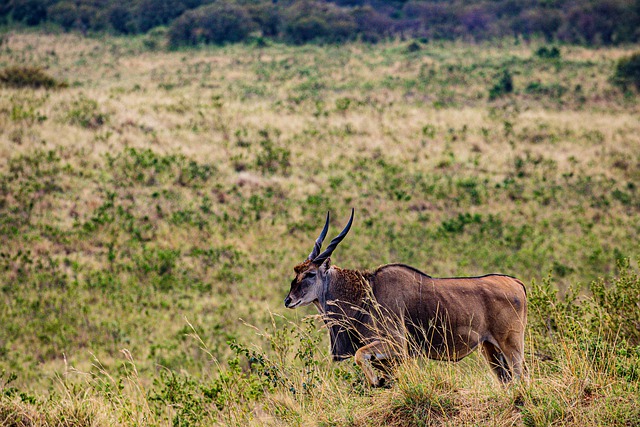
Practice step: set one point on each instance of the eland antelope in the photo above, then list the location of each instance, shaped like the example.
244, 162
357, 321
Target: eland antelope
380, 316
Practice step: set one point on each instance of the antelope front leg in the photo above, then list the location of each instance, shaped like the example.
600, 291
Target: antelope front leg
375, 351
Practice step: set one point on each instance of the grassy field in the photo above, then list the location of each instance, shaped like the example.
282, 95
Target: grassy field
152, 211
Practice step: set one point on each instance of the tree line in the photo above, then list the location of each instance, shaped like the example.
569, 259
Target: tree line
190, 22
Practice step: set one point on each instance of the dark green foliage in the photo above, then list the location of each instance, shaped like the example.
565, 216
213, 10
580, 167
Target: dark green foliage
601, 323
457, 225
28, 180
613, 300
31, 12
85, 112
64, 14
602, 22
503, 86
31, 77
146, 168
548, 53
372, 25
414, 46
582, 21
309, 20
267, 17
537, 21
120, 19
551, 90
152, 13
217, 23
272, 158
627, 72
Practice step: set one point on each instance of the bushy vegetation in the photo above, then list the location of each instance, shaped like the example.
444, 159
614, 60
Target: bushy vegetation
600, 22
627, 72
28, 77
309, 20
151, 214
217, 23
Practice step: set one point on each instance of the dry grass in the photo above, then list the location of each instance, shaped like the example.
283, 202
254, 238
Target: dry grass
164, 185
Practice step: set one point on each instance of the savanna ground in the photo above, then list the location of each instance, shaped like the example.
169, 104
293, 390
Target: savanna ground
152, 210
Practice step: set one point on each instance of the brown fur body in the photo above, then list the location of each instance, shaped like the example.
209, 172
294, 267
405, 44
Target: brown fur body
397, 310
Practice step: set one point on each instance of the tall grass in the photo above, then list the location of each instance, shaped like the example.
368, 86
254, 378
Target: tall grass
586, 377
163, 186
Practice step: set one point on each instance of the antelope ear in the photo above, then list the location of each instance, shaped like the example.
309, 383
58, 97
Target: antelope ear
325, 264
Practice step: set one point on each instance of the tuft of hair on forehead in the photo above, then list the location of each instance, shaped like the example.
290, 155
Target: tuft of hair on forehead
302, 266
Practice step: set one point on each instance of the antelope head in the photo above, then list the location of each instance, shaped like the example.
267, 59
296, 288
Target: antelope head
308, 285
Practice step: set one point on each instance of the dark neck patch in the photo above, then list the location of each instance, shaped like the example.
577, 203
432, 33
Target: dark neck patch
346, 311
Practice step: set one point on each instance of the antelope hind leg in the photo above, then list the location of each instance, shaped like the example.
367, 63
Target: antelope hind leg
497, 362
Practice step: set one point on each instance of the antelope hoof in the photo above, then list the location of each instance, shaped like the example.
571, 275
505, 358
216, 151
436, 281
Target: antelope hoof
381, 382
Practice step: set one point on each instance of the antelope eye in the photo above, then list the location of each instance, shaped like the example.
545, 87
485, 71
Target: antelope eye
310, 274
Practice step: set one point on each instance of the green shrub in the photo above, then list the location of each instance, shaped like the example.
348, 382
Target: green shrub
553, 90
414, 46
503, 86
85, 112
272, 158
616, 305
28, 77
627, 72
548, 53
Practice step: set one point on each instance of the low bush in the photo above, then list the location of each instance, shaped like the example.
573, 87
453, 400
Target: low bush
627, 72
86, 113
548, 53
503, 86
28, 77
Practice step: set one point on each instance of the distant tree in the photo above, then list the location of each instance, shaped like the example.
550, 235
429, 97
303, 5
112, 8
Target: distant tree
152, 13
220, 22
5, 10
350, 2
628, 28
194, 4
537, 22
594, 23
512, 8
64, 14
371, 25
266, 15
31, 12
309, 20
90, 18
608, 16
120, 19
627, 72
301, 21
437, 19
476, 20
